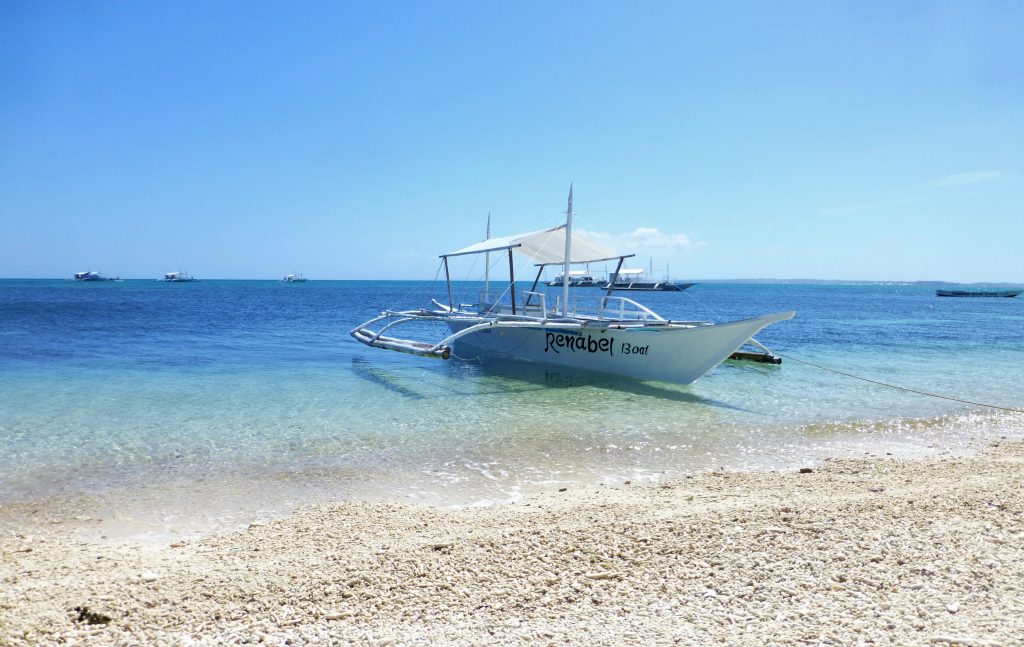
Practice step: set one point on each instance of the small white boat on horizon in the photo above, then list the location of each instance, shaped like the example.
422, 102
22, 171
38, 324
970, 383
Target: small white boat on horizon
178, 277
614, 335
91, 275
577, 279
294, 278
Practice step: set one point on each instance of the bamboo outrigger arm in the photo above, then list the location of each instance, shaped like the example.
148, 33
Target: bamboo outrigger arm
377, 339
421, 349
443, 348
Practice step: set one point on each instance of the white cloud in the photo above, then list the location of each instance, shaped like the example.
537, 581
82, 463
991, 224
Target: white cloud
965, 179
644, 238
651, 238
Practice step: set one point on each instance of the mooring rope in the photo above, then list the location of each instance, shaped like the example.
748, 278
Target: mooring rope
887, 384
416, 290
858, 377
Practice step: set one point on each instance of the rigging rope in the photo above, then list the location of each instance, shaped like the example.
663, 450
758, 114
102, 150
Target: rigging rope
864, 379
417, 290
891, 386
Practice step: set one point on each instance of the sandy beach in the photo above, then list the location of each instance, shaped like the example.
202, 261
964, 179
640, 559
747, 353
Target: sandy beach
877, 551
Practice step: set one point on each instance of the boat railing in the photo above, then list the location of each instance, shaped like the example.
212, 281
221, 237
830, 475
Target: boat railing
613, 308
529, 304
624, 308
490, 303
535, 303
489, 297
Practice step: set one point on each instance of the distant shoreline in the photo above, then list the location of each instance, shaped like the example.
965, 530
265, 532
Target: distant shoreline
747, 281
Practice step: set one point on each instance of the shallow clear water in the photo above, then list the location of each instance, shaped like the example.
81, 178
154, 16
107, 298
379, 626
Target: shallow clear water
141, 407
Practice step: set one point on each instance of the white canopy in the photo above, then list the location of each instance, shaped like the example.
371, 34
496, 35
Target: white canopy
547, 247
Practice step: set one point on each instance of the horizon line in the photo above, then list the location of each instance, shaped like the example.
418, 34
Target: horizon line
420, 280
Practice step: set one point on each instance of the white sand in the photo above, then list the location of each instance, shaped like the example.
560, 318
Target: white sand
876, 552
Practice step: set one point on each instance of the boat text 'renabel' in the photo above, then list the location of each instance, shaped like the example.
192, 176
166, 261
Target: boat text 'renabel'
573, 341
576, 342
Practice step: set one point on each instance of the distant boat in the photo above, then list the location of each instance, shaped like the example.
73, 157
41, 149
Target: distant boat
577, 279
977, 293
637, 280
178, 277
94, 276
294, 278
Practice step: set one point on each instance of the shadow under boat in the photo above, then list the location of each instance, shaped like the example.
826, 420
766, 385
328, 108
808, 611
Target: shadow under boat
383, 377
557, 377
523, 377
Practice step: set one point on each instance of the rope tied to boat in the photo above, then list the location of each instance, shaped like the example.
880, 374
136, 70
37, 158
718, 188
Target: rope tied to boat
886, 384
861, 378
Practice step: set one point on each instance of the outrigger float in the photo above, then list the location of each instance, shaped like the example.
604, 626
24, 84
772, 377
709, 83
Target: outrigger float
609, 334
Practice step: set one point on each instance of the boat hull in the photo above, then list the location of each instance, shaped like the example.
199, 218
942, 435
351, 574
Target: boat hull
576, 284
669, 353
977, 293
651, 287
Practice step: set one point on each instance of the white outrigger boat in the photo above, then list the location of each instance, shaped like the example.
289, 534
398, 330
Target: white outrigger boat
178, 277
91, 275
615, 335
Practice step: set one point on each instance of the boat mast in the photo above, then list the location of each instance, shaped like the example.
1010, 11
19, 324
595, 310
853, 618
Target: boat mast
512, 280
487, 262
568, 256
448, 282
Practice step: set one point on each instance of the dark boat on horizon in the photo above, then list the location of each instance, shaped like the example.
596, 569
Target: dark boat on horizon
637, 280
977, 293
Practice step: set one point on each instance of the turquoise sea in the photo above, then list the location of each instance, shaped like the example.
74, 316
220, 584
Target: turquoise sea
140, 408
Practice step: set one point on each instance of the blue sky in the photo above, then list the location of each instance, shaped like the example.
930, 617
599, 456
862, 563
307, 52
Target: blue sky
829, 140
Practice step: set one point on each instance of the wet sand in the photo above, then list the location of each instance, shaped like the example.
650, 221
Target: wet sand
878, 551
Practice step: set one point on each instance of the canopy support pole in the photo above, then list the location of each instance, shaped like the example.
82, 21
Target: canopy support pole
568, 256
487, 263
448, 281
533, 288
615, 277
512, 280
